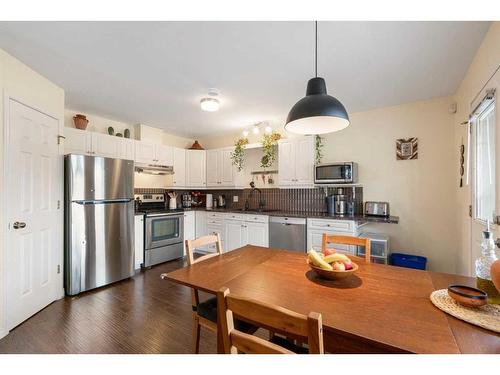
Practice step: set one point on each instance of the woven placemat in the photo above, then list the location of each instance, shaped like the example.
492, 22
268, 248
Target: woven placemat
487, 316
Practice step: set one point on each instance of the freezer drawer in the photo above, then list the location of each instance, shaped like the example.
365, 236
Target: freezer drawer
99, 244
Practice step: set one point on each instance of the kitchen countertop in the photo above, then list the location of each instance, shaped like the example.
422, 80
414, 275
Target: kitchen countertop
360, 219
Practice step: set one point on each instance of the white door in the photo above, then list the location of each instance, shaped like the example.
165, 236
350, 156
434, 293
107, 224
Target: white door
179, 179
257, 234
34, 243
145, 152
213, 168
106, 145
195, 168
286, 163
77, 142
165, 155
485, 168
304, 161
226, 168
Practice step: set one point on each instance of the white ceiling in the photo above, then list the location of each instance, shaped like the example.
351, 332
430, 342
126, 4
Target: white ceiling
156, 72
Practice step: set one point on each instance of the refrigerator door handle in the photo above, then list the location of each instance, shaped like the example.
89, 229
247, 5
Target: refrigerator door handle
104, 201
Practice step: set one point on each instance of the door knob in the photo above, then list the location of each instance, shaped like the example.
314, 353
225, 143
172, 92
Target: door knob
19, 225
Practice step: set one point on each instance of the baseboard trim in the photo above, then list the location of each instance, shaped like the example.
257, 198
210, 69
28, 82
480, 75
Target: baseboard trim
3, 333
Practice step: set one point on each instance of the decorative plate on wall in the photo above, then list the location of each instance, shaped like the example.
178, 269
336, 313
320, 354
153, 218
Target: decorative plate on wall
407, 149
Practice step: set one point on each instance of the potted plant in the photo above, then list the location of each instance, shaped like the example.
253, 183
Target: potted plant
238, 155
269, 143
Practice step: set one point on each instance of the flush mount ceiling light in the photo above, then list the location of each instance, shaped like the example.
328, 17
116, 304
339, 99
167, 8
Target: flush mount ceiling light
210, 103
317, 112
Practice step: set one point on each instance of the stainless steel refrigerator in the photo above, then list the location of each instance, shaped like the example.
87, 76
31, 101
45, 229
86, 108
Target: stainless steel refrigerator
99, 221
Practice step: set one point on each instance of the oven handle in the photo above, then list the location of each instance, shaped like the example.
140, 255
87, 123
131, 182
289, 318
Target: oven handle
165, 214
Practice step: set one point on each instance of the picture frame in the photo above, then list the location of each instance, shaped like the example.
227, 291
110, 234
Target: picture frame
407, 149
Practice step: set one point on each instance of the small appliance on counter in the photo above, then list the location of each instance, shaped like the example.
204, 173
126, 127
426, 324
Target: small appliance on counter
336, 173
198, 199
186, 200
377, 209
340, 204
221, 201
209, 201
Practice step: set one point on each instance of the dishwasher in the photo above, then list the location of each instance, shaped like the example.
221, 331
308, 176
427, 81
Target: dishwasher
288, 233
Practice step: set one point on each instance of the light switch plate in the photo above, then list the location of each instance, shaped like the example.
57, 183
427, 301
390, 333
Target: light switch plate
235, 199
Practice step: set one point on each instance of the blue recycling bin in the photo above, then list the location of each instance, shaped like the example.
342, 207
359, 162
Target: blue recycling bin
408, 261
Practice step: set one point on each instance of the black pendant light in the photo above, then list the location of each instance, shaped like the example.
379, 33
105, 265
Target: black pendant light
317, 112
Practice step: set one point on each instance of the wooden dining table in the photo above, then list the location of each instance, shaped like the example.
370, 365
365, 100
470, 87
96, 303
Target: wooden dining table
380, 309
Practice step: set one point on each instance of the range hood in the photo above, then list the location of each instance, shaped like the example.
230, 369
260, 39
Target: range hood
154, 169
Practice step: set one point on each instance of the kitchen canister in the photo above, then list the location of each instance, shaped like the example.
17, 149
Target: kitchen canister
209, 201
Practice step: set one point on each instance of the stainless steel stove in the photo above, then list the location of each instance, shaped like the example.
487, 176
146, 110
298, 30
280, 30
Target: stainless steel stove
163, 229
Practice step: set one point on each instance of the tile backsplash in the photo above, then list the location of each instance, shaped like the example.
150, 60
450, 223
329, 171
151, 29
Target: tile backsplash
305, 200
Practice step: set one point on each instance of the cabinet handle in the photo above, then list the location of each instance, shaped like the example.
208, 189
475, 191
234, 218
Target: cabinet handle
19, 225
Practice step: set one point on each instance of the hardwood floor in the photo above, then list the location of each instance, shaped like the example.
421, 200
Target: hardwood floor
143, 314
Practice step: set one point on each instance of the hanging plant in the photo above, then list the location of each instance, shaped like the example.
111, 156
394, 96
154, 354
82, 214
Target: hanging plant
269, 148
238, 155
319, 149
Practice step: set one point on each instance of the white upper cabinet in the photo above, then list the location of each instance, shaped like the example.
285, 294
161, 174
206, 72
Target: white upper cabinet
213, 175
227, 170
196, 168
106, 145
221, 172
179, 180
90, 143
152, 153
77, 142
165, 155
296, 162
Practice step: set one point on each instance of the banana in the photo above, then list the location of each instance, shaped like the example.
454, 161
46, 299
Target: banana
316, 260
336, 258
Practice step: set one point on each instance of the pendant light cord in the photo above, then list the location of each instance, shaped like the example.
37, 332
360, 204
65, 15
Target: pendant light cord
316, 48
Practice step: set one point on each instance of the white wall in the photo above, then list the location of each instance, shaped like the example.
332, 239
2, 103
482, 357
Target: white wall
19, 81
485, 63
420, 191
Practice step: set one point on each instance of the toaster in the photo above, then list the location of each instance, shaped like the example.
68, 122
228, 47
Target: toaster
377, 208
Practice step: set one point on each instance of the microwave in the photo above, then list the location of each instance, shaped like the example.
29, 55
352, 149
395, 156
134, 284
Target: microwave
336, 173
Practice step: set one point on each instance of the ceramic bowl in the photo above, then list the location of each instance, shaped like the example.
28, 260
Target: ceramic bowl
467, 296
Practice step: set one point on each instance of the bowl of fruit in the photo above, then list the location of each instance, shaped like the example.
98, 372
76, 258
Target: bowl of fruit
332, 266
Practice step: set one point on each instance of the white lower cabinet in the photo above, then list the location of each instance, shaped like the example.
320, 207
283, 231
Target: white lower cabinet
316, 228
257, 234
235, 234
139, 240
243, 229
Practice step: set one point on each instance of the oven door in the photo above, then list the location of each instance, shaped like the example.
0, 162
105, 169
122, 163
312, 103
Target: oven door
163, 230
333, 173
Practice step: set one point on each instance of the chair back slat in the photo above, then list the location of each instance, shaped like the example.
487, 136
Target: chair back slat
348, 240
276, 318
249, 344
191, 245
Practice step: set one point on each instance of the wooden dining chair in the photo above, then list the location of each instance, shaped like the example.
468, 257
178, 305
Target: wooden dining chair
205, 313
275, 318
347, 240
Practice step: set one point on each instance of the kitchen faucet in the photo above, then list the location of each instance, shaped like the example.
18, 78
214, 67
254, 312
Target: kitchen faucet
262, 202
